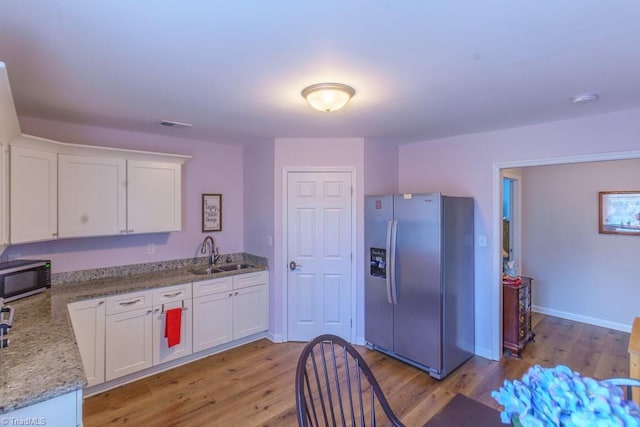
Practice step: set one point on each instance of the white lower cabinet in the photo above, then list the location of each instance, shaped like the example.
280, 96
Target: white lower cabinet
123, 334
250, 314
212, 313
129, 329
229, 308
88, 321
164, 299
60, 411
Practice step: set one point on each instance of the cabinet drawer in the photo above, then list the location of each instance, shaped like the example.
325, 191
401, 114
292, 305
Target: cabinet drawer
250, 279
212, 286
171, 293
129, 301
522, 334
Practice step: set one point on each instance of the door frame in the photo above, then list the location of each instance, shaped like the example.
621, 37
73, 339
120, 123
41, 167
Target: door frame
515, 213
285, 237
496, 220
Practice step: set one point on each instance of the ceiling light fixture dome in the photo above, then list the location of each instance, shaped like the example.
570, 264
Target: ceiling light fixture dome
328, 97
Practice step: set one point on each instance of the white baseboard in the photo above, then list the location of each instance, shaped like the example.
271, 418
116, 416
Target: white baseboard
277, 338
483, 352
583, 319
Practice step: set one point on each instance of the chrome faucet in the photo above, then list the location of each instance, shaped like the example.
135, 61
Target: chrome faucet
214, 252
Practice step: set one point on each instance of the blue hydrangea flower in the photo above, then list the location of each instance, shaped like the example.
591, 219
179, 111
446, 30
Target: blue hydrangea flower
548, 397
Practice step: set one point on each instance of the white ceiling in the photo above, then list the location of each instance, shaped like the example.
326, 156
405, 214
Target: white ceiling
421, 69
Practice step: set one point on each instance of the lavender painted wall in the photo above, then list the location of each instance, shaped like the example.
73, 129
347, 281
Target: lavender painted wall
579, 273
464, 165
380, 168
290, 153
214, 168
259, 210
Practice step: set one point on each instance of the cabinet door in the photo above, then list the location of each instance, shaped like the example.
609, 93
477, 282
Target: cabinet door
88, 322
212, 320
161, 352
250, 313
153, 197
33, 195
128, 342
92, 196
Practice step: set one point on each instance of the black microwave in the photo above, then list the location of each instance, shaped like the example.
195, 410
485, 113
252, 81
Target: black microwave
24, 277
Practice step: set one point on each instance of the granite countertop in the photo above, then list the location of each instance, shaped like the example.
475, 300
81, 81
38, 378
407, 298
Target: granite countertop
42, 360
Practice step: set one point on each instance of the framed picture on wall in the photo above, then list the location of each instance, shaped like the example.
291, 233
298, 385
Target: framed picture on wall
211, 212
619, 212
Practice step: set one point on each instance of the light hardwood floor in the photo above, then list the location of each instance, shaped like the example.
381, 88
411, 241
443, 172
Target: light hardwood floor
253, 385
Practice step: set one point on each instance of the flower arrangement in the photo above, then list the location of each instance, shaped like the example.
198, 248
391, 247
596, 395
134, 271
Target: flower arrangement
560, 397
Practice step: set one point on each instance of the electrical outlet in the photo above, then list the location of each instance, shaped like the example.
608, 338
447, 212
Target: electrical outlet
269, 240
151, 248
482, 241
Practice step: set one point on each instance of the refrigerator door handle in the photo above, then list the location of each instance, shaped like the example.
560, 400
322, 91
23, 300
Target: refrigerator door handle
388, 261
392, 267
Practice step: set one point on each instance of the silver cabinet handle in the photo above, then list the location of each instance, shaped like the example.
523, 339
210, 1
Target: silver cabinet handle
149, 311
175, 294
130, 231
129, 302
156, 310
101, 302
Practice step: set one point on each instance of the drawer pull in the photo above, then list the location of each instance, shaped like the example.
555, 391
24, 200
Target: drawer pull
521, 333
173, 295
521, 319
125, 304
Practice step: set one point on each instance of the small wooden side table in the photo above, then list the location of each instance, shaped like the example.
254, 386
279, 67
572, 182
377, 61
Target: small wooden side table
634, 356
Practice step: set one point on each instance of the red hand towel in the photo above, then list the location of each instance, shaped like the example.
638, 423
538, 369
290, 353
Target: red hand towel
172, 326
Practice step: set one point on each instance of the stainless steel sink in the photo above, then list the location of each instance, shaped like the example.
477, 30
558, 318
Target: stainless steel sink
234, 267
204, 271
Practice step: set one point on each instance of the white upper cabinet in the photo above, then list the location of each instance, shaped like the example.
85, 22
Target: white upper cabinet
34, 194
9, 129
92, 197
153, 197
66, 190
9, 126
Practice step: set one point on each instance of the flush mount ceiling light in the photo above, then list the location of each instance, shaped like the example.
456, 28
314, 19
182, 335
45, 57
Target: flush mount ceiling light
583, 98
171, 123
328, 97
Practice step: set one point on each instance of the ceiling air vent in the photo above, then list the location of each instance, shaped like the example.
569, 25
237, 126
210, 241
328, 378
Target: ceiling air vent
172, 124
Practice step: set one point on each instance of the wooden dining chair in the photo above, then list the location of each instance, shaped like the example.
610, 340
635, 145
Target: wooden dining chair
335, 387
627, 385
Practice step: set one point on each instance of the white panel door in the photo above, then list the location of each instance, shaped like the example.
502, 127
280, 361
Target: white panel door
319, 243
92, 196
33, 195
154, 201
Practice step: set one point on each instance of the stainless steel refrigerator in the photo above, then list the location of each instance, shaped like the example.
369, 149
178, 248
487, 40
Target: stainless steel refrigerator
419, 283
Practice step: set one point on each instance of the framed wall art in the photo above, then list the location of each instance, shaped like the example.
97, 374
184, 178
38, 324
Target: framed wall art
211, 212
619, 212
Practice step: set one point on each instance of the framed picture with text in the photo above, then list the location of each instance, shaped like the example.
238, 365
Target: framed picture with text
619, 212
211, 212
